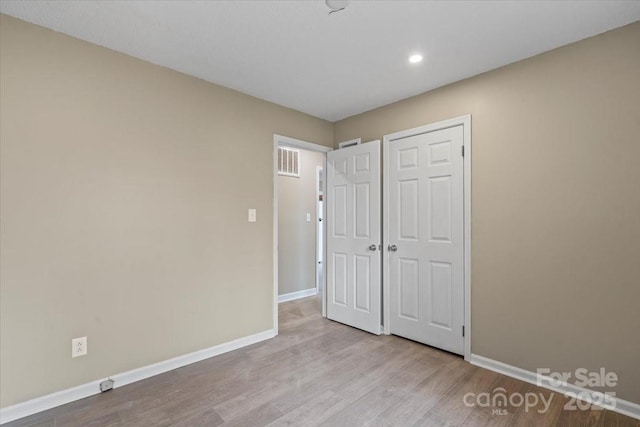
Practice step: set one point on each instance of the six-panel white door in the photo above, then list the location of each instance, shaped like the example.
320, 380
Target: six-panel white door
424, 237
353, 273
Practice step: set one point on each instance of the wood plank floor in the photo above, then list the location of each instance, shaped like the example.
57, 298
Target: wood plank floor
318, 373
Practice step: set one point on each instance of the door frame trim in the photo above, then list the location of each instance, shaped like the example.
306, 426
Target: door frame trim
465, 121
318, 222
285, 141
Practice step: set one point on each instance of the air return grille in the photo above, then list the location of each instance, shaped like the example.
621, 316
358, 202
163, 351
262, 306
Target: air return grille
288, 162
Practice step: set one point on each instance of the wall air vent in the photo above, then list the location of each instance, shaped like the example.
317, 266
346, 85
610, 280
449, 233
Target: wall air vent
288, 162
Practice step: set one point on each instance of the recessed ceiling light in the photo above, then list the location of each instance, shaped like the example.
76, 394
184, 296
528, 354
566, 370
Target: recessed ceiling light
414, 59
337, 4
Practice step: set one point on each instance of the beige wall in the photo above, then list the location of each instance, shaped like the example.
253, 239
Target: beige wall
556, 203
296, 236
125, 189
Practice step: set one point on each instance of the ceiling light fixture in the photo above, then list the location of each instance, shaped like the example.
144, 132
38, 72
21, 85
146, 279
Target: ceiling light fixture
414, 59
337, 5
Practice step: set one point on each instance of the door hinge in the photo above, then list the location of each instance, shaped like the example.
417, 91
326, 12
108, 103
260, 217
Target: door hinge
463, 151
463, 331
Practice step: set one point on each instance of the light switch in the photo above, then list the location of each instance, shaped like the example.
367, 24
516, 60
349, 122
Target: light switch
252, 215
308, 217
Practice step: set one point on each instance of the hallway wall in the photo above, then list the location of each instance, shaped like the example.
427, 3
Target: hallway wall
297, 237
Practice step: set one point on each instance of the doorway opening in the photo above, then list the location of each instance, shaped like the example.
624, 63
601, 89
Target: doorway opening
420, 288
431, 234
299, 234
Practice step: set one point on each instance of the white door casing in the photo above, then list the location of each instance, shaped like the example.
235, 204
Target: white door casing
425, 237
319, 227
353, 261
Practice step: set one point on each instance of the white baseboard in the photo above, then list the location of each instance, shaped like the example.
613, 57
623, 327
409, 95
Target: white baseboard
297, 295
39, 404
621, 406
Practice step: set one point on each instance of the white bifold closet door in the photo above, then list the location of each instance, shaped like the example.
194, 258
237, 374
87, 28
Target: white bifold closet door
353, 198
424, 237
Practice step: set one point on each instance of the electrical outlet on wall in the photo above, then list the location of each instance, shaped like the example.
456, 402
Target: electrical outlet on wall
78, 347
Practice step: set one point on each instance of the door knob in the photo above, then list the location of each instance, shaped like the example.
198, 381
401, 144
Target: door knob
372, 247
392, 248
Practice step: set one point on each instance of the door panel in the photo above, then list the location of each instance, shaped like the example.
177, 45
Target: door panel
339, 217
339, 282
408, 284
362, 283
425, 223
353, 255
408, 214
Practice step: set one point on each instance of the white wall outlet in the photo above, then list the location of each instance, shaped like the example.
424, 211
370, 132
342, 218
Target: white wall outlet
78, 347
308, 217
252, 215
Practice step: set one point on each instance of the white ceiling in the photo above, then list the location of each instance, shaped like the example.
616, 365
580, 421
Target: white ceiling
294, 54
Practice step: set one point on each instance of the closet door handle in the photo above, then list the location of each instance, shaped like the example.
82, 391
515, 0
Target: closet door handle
372, 247
392, 248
